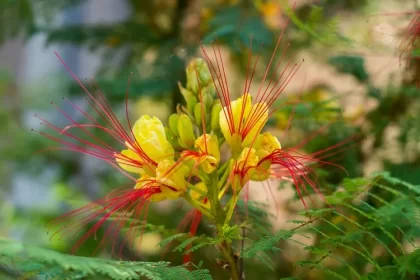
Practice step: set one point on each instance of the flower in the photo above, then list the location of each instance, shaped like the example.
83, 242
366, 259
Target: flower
186, 131
183, 160
150, 136
171, 178
243, 122
244, 167
209, 154
146, 157
199, 193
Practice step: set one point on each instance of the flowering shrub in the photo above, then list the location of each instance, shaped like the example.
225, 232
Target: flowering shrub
183, 160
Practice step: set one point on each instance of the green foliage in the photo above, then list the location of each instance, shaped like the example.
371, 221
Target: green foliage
317, 26
29, 261
230, 27
20, 16
367, 215
267, 243
353, 65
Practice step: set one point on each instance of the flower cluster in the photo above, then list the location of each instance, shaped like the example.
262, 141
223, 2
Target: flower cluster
184, 159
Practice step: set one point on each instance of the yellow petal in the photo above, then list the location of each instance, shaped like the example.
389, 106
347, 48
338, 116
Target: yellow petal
267, 142
129, 161
186, 131
256, 119
171, 177
147, 181
240, 109
199, 191
150, 135
208, 145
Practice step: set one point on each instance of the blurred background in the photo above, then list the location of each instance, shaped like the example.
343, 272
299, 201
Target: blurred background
360, 70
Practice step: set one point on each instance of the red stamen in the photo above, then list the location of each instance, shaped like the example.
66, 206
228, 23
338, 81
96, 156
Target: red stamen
120, 202
197, 215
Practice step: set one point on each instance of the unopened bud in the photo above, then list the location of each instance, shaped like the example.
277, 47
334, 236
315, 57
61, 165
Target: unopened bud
186, 131
189, 97
198, 75
215, 116
198, 114
208, 96
172, 139
173, 124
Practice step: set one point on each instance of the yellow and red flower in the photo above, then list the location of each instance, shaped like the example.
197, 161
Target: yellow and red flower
183, 160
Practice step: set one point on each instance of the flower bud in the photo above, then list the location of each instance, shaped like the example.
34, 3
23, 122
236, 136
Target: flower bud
189, 97
172, 139
215, 113
208, 96
198, 114
186, 131
173, 124
198, 75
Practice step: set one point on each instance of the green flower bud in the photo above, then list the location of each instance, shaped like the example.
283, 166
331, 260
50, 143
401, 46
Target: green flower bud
215, 115
198, 114
189, 97
198, 75
208, 95
173, 124
172, 139
186, 132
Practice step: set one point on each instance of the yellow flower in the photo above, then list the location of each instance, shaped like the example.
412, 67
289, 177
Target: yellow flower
245, 121
148, 182
199, 193
151, 147
130, 161
150, 135
266, 143
186, 131
171, 177
208, 147
244, 168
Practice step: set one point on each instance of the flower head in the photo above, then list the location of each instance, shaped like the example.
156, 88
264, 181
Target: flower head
144, 155
183, 160
150, 136
209, 154
244, 124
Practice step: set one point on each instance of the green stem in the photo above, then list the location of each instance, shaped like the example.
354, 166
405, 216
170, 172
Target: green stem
227, 252
199, 207
232, 204
220, 220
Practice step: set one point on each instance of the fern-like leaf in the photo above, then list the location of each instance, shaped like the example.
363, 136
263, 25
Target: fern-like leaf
30, 261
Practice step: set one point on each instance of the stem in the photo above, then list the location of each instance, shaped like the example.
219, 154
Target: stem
232, 205
241, 260
227, 252
220, 220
